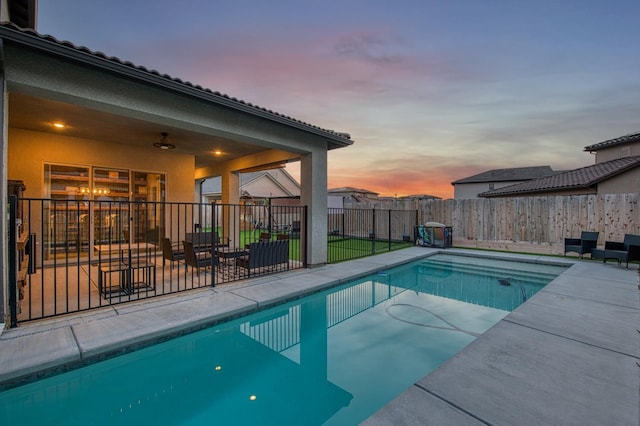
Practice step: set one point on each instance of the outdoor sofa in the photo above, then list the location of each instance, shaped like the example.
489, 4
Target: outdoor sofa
265, 254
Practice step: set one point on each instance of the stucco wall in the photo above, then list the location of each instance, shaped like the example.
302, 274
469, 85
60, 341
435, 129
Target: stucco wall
626, 182
471, 190
617, 151
28, 151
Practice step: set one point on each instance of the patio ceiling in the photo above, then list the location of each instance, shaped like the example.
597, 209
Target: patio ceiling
39, 114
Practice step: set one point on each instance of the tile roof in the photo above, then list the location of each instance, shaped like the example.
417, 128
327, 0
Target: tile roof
350, 189
584, 177
511, 174
630, 138
34, 39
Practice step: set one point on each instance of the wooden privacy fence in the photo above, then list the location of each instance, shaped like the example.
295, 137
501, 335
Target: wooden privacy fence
530, 224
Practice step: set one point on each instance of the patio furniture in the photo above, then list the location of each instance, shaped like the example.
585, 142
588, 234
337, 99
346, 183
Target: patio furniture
171, 252
295, 229
264, 236
625, 251
229, 255
265, 254
128, 276
198, 259
133, 261
202, 241
588, 241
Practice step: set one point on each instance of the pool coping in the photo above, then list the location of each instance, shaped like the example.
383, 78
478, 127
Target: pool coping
47, 347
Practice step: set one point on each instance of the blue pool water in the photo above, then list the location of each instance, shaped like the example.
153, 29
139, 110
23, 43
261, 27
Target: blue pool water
332, 358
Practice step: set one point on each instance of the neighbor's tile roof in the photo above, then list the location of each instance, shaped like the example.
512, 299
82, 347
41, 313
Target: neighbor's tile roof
584, 177
350, 189
630, 138
505, 175
35, 39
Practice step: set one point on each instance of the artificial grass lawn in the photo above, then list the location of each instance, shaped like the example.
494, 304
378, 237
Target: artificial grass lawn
344, 248
339, 248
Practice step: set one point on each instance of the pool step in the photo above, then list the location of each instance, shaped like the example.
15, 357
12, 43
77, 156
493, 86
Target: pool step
441, 267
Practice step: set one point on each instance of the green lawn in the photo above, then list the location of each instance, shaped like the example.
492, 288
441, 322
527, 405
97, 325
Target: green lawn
339, 248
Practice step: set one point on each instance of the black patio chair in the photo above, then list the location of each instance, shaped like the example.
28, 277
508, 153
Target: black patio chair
588, 241
171, 252
199, 259
625, 251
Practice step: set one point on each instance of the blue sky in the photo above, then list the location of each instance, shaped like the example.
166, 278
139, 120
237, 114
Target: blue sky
431, 91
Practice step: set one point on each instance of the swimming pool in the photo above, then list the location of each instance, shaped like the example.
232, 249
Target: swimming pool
333, 357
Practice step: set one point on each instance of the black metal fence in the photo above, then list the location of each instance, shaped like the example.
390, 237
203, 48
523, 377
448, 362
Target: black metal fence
75, 255
355, 233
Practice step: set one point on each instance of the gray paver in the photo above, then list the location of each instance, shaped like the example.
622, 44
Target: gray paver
599, 289
516, 375
409, 410
594, 323
286, 288
26, 354
148, 324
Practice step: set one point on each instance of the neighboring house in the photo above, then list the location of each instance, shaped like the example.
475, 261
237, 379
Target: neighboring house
262, 185
339, 197
617, 170
471, 186
350, 194
79, 124
418, 197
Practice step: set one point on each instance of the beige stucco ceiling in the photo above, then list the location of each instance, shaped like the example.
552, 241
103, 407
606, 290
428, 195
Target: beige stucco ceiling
39, 114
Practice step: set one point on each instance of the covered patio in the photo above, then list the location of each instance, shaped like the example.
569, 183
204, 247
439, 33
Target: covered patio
81, 126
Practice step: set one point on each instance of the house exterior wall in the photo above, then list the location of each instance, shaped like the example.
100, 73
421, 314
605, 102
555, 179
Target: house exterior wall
471, 190
28, 151
263, 188
286, 181
618, 151
628, 182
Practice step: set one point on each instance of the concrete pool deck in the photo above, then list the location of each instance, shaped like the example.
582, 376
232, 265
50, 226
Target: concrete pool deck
567, 356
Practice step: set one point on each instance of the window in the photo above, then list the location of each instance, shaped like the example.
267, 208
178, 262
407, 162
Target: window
100, 205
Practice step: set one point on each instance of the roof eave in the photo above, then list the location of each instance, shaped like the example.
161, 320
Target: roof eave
127, 69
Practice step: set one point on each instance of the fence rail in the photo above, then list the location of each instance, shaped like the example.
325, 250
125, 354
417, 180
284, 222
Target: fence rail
75, 255
355, 233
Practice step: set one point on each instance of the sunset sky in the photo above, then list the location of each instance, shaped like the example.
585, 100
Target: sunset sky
430, 91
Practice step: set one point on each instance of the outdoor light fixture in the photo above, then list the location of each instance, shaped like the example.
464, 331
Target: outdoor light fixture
164, 142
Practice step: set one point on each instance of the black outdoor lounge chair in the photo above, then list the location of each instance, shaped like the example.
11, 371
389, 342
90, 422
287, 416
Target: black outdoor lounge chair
588, 241
625, 251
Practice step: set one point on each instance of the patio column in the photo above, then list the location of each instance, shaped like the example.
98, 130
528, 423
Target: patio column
230, 195
313, 193
4, 259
